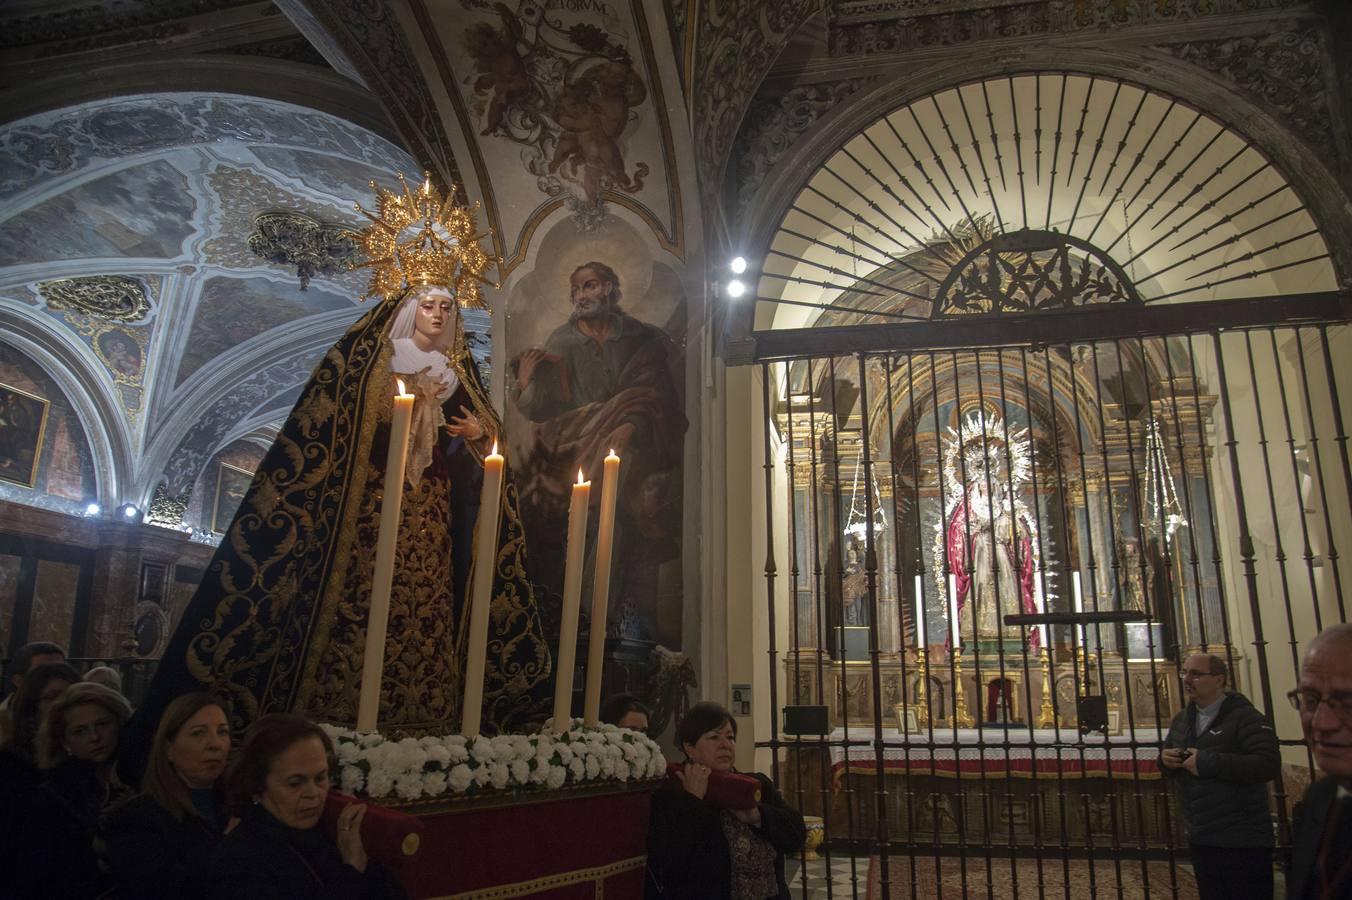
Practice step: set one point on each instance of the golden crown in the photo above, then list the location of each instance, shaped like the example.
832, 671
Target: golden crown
420, 238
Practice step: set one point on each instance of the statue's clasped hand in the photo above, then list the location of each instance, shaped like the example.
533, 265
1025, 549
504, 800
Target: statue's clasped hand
465, 426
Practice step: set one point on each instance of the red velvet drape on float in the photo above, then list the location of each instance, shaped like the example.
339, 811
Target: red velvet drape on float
556, 848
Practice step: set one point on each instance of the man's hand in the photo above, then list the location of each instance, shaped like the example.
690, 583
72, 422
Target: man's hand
1190, 761
525, 366
1172, 758
695, 779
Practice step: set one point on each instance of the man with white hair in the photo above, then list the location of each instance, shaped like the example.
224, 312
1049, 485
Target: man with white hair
1321, 841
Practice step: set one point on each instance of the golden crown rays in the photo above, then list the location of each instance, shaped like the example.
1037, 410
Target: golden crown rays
419, 238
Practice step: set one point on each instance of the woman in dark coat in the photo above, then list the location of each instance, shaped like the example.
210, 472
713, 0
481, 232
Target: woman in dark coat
699, 852
277, 852
159, 843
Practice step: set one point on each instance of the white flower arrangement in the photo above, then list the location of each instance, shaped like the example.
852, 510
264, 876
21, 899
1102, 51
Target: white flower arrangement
428, 768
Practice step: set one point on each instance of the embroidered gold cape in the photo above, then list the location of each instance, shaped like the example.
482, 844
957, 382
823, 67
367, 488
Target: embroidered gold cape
279, 621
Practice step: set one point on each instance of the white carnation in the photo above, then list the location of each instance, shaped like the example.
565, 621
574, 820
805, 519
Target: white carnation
557, 776
482, 775
520, 771
437, 753
482, 750
577, 767
409, 786
565, 753
460, 778
593, 767
350, 779
379, 783
500, 774
348, 752
434, 784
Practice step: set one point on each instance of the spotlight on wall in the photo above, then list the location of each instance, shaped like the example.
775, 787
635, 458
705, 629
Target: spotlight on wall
130, 512
738, 265
93, 509
736, 288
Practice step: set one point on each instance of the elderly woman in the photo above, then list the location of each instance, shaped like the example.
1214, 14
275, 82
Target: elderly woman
278, 786
159, 843
51, 823
699, 852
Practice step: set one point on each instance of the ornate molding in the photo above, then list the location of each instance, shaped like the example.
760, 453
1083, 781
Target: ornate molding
295, 239
773, 124
1284, 70
114, 298
863, 27
166, 510
292, 49
737, 41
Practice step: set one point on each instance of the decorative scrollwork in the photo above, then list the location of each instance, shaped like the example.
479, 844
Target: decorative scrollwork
295, 239
115, 298
1031, 271
167, 510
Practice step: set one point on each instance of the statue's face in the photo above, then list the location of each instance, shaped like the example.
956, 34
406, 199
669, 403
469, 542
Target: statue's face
436, 313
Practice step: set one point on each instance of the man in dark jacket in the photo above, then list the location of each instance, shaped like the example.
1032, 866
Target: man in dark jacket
1321, 840
1219, 755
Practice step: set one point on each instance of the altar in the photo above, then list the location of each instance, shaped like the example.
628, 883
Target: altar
1014, 787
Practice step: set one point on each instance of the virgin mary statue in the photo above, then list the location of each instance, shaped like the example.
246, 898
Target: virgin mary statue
279, 621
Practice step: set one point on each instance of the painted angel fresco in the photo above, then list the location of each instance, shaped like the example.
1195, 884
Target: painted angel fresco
566, 92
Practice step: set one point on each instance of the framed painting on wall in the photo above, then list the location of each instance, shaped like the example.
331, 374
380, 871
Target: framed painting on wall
232, 483
23, 421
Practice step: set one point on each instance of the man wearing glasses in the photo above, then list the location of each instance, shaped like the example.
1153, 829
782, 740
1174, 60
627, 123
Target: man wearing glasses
1321, 841
1219, 755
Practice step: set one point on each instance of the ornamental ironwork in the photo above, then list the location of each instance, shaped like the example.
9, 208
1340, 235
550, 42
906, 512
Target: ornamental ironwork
116, 298
295, 239
1031, 271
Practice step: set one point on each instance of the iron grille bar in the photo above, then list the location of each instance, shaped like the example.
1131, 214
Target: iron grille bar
1058, 326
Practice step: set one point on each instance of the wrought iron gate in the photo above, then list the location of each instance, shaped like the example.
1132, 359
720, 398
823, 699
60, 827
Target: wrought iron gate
1185, 463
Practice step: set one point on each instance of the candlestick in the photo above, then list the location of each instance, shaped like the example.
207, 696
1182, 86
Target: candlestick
481, 592
572, 603
919, 613
596, 642
954, 629
961, 716
377, 623
1047, 713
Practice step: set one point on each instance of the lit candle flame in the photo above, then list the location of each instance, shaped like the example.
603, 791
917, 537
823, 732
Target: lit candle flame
400, 382
579, 476
612, 453
427, 185
495, 449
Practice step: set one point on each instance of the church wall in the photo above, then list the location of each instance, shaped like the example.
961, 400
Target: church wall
65, 468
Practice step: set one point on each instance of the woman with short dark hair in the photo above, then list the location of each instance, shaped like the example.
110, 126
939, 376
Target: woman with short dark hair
159, 843
278, 787
697, 851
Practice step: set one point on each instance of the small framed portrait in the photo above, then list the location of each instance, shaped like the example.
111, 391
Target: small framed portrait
1114, 721
23, 422
121, 352
232, 483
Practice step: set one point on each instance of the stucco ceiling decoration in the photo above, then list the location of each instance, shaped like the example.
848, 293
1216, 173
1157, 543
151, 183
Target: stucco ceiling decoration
1185, 207
312, 246
156, 196
115, 298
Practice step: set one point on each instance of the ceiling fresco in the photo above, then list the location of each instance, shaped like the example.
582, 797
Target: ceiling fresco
163, 191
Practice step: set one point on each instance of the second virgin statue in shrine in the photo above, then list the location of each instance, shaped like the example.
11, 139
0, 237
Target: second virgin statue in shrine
279, 621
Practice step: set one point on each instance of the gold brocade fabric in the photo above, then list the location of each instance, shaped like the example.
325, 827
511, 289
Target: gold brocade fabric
279, 621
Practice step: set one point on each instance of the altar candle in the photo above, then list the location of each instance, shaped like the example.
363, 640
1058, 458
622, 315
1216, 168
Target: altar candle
919, 613
572, 603
373, 656
596, 642
1041, 607
1079, 608
481, 595
954, 629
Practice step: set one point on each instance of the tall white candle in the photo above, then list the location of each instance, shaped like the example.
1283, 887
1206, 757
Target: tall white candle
1079, 608
919, 613
566, 659
377, 623
1041, 607
481, 591
954, 628
596, 641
